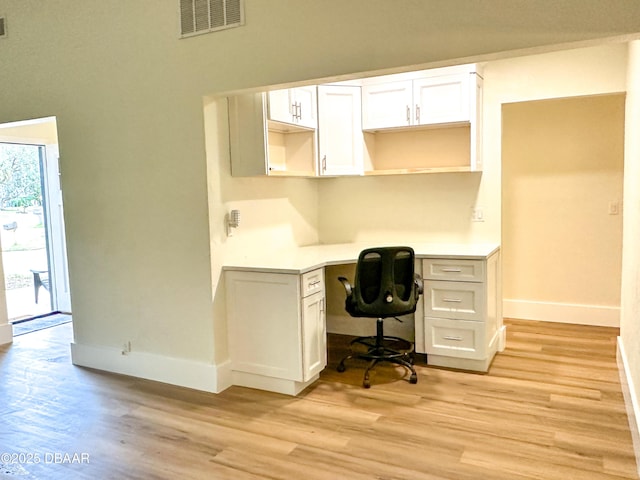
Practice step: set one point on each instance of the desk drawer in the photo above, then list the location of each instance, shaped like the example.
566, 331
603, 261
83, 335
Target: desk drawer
453, 270
457, 300
312, 282
455, 338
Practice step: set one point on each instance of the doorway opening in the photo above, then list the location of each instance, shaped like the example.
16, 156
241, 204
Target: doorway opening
31, 224
562, 187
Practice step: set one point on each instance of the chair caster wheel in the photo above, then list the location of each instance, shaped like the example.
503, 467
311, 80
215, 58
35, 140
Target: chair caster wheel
340, 368
366, 384
413, 378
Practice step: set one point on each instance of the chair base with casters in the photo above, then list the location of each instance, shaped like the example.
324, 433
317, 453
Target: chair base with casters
381, 348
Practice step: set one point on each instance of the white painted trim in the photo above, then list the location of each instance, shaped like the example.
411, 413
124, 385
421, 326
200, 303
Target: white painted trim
562, 312
6, 333
175, 371
26, 123
271, 384
630, 399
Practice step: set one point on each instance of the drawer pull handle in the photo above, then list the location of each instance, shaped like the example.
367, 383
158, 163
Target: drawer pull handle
452, 300
451, 337
452, 270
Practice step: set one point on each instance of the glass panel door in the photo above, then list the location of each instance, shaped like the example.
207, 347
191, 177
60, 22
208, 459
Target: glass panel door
24, 231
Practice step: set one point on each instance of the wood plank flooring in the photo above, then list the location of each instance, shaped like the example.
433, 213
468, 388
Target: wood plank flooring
551, 408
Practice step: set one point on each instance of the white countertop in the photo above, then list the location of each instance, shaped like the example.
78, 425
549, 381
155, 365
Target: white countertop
304, 259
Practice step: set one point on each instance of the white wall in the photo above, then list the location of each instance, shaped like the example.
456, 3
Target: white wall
537, 77
128, 98
562, 166
630, 303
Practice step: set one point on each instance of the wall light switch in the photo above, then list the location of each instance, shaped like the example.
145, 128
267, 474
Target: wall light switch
614, 208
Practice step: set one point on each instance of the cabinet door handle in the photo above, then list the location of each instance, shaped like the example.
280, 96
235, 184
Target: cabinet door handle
408, 115
452, 300
451, 337
417, 114
451, 270
299, 111
324, 163
295, 110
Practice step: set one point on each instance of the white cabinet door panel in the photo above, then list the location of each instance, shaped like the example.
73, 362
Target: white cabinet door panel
264, 323
314, 350
294, 105
387, 105
441, 99
340, 130
279, 106
305, 101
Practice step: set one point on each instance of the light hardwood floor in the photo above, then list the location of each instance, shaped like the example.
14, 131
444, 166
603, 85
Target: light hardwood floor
550, 408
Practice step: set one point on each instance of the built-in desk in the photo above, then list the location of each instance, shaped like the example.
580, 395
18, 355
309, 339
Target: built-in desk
276, 310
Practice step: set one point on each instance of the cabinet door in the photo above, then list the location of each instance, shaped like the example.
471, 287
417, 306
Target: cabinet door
294, 105
387, 105
304, 101
264, 322
441, 99
314, 347
280, 106
340, 130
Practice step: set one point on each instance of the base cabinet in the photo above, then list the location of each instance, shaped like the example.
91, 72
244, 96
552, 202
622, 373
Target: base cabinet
276, 325
462, 314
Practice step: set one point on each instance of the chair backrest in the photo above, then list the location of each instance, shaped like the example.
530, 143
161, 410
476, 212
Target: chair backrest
385, 283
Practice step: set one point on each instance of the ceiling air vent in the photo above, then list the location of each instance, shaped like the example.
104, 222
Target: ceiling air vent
3, 27
204, 16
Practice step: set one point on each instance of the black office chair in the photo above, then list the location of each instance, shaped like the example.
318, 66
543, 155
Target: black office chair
386, 285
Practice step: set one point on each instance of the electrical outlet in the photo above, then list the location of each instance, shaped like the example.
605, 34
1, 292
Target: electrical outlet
477, 214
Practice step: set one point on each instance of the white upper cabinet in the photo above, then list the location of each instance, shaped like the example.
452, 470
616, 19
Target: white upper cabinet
443, 99
431, 97
294, 105
387, 105
427, 121
264, 147
339, 130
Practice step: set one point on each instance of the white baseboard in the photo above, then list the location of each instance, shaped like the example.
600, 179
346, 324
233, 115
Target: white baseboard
174, 371
630, 399
6, 333
562, 312
271, 384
